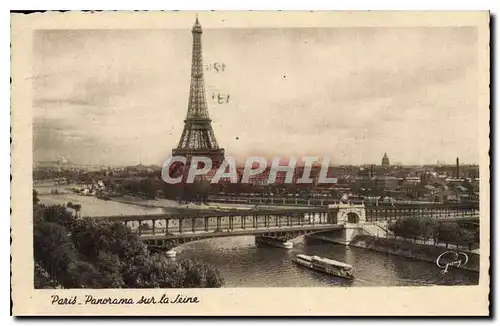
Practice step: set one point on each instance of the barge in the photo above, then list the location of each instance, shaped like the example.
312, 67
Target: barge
273, 242
325, 265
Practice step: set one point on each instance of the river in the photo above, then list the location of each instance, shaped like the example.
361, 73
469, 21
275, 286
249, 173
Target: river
243, 264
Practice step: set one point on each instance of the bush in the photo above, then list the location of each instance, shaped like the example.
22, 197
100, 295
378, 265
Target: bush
448, 232
413, 227
451, 232
58, 214
42, 279
92, 253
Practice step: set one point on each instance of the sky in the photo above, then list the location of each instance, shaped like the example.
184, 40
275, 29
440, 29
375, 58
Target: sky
119, 97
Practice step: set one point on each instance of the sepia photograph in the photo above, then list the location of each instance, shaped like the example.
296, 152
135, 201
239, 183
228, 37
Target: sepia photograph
270, 151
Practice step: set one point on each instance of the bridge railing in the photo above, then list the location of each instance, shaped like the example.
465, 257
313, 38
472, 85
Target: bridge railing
443, 212
323, 201
276, 221
271, 200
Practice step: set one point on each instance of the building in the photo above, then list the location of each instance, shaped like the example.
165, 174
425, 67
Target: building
384, 183
385, 160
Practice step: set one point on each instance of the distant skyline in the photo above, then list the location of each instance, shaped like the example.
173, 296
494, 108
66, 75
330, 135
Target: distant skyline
446, 164
119, 97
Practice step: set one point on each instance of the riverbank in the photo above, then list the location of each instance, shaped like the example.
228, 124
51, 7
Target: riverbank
173, 204
131, 205
403, 248
124, 203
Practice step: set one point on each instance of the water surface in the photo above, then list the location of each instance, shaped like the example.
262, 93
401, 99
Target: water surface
243, 264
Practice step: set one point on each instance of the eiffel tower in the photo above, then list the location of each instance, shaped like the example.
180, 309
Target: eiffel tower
198, 138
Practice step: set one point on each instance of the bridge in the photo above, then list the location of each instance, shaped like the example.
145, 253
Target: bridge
313, 200
278, 226
275, 200
440, 211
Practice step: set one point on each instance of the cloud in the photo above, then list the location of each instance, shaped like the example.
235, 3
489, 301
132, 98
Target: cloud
351, 92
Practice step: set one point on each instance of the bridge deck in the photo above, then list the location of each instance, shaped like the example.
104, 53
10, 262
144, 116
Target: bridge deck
371, 212
219, 213
472, 217
323, 201
239, 232
198, 224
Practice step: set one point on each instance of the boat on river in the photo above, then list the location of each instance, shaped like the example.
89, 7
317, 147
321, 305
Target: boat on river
325, 265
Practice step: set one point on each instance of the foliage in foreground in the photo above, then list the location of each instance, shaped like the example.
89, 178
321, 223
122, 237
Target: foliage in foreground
90, 253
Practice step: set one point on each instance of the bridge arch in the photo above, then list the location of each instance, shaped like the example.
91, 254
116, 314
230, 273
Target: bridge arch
170, 243
352, 217
350, 213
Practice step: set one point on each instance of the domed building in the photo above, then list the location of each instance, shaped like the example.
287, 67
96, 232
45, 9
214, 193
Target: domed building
385, 160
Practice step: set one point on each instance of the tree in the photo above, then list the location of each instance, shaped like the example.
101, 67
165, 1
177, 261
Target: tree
97, 253
198, 191
203, 275
428, 227
109, 268
172, 191
414, 227
58, 214
42, 279
81, 274
408, 227
148, 188
184, 274
448, 232
467, 237
55, 253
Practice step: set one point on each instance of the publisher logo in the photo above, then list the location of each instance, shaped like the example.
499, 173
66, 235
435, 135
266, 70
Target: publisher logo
451, 258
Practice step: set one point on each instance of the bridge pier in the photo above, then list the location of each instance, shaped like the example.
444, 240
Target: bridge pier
342, 237
276, 242
351, 216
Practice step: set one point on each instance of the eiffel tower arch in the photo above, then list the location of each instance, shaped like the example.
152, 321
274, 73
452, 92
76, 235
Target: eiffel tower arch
198, 138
